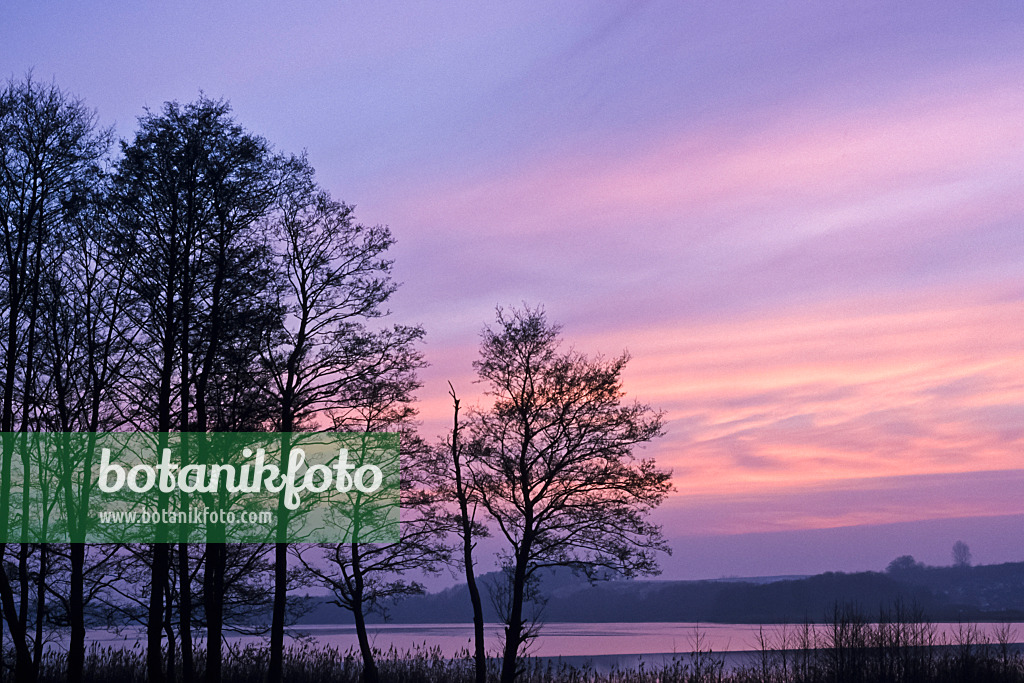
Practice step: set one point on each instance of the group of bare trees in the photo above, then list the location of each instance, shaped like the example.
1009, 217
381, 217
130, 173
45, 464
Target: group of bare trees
196, 281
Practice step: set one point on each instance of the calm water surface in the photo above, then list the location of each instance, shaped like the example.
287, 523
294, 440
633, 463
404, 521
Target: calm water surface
567, 639
587, 639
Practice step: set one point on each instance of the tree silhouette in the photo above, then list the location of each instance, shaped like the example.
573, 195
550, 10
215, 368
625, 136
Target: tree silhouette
902, 564
554, 464
50, 166
190, 194
961, 554
456, 485
326, 361
365, 577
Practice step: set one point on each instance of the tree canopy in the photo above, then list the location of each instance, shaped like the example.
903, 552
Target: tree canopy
553, 462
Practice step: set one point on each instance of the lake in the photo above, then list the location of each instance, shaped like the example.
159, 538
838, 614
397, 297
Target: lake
568, 639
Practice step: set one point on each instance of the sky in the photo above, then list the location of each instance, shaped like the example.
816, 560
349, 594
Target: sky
804, 222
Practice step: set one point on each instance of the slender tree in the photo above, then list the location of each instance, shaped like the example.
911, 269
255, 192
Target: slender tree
87, 355
468, 530
50, 156
367, 577
151, 198
337, 280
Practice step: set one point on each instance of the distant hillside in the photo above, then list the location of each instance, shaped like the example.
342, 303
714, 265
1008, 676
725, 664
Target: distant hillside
993, 593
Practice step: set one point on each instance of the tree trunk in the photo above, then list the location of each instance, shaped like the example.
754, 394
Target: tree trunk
276, 668
216, 560
76, 648
480, 654
22, 657
7, 419
37, 655
184, 576
159, 591
188, 670
161, 549
155, 620
514, 627
23, 592
169, 628
370, 673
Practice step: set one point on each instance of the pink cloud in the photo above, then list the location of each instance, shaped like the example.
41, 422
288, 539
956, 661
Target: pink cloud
828, 169
826, 395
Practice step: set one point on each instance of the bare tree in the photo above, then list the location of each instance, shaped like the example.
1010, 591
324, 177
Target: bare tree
467, 527
148, 301
86, 355
50, 157
336, 280
554, 463
961, 555
367, 577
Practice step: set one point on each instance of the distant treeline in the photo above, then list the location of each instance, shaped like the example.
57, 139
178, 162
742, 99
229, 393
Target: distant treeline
982, 593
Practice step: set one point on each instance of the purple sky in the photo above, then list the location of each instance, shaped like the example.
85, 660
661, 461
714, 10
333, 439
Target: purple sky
805, 223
